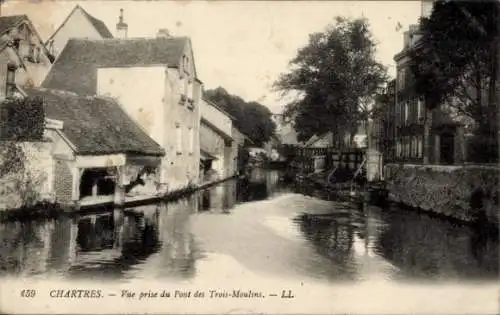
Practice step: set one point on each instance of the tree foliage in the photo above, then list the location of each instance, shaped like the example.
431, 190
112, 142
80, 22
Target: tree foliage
23, 119
455, 59
252, 119
336, 77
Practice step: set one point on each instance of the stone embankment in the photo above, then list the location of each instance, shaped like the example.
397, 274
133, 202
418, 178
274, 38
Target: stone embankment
467, 193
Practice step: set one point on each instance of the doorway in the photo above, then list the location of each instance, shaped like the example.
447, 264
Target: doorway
447, 148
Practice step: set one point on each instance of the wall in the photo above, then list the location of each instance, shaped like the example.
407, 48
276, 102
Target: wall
152, 96
63, 159
216, 117
77, 26
35, 183
183, 167
140, 90
34, 73
213, 143
454, 191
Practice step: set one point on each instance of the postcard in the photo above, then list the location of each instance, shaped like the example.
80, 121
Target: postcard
244, 157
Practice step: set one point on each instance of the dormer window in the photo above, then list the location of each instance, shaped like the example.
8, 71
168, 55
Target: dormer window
31, 53
16, 43
10, 88
190, 90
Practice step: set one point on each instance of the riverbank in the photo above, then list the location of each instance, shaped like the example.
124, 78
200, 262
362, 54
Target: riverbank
52, 210
399, 191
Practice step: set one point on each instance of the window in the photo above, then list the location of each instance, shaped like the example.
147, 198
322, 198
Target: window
407, 146
406, 105
414, 147
419, 147
178, 131
31, 52
420, 109
185, 64
190, 90
11, 80
191, 140
401, 79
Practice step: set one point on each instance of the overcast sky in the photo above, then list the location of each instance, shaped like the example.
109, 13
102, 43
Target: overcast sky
240, 45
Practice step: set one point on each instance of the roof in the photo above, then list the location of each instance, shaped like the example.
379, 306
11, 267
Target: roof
99, 25
96, 125
215, 105
315, 138
216, 129
8, 22
204, 155
76, 67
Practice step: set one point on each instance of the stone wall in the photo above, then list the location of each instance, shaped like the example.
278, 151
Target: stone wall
29, 181
467, 193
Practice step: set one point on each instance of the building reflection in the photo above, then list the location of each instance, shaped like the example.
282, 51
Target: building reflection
26, 247
107, 244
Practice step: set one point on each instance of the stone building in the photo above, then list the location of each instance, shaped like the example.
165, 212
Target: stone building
78, 24
24, 61
155, 80
445, 143
216, 142
98, 153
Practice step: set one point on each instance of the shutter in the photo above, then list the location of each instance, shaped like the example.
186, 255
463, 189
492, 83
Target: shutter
182, 88
190, 90
191, 140
179, 139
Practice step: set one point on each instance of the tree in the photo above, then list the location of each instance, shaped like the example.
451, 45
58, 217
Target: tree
455, 61
336, 78
252, 119
23, 120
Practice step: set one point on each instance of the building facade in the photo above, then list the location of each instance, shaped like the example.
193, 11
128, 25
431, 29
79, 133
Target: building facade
422, 135
155, 80
98, 153
78, 24
218, 157
24, 61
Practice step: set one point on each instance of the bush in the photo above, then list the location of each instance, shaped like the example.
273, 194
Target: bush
24, 119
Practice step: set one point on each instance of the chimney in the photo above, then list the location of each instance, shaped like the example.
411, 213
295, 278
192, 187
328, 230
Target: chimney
406, 39
163, 32
121, 27
426, 8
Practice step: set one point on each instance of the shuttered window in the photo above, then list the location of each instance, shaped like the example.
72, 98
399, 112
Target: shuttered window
178, 131
191, 140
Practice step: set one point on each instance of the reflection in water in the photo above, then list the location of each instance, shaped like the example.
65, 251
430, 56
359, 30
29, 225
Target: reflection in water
306, 236
423, 247
413, 245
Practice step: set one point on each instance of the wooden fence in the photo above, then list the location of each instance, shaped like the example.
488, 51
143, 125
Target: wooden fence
318, 159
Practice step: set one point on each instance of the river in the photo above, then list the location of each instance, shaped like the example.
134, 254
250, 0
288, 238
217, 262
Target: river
256, 229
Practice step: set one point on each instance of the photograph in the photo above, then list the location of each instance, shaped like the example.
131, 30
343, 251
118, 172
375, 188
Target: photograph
249, 157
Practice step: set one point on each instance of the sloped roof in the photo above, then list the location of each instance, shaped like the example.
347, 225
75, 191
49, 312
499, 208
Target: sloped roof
99, 25
96, 125
76, 67
8, 22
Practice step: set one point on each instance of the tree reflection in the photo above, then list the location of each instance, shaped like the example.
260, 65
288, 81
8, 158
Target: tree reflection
427, 248
332, 236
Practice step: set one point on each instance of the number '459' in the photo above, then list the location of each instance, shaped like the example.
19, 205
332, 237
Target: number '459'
28, 293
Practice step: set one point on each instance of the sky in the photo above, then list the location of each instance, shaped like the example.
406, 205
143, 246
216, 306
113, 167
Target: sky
242, 46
